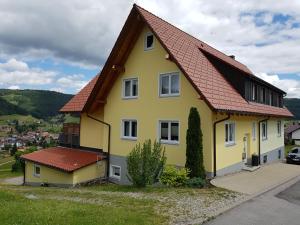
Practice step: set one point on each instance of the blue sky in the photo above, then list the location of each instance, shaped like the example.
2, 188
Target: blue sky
61, 45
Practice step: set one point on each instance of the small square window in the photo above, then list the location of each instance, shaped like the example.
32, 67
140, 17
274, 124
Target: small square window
129, 129
36, 170
130, 88
169, 132
169, 84
149, 41
115, 172
265, 159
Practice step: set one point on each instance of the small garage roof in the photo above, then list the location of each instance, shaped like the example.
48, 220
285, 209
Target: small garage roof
66, 159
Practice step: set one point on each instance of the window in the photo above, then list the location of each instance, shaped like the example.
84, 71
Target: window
115, 172
265, 159
149, 41
36, 170
264, 128
279, 154
253, 92
129, 129
254, 130
169, 132
229, 133
130, 88
169, 84
279, 128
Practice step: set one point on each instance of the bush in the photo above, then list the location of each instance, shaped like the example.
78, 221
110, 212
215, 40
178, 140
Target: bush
144, 163
174, 177
196, 182
19, 165
13, 150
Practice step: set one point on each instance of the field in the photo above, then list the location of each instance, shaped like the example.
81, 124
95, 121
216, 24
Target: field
5, 167
109, 204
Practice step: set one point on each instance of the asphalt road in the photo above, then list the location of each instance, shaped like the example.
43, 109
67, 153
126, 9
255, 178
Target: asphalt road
276, 207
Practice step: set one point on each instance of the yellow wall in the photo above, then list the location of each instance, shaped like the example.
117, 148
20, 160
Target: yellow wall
48, 175
90, 172
230, 155
55, 176
273, 141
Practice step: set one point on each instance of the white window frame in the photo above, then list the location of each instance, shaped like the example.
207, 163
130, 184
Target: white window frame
168, 74
34, 170
253, 131
280, 128
131, 85
113, 175
230, 142
262, 131
145, 41
130, 129
169, 141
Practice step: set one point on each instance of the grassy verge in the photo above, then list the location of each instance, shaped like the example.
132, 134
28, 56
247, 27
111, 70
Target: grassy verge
59, 206
5, 169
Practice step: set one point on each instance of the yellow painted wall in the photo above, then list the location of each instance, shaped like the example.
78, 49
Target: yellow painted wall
48, 175
90, 172
230, 155
149, 108
91, 132
273, 141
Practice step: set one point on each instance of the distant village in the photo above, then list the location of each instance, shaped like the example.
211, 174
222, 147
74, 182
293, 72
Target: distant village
25, 138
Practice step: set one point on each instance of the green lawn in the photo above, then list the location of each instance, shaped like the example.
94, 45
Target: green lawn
5, 169
108, 205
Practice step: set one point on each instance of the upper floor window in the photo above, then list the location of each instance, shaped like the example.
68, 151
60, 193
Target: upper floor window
229, 133
129, 129
169, 132
169, 84
149, 41
130, 88
264, 128
278, 128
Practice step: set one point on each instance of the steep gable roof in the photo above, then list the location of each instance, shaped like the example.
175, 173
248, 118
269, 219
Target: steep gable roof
189, 55
77, 103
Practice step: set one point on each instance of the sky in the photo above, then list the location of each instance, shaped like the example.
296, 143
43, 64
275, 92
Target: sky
60, 45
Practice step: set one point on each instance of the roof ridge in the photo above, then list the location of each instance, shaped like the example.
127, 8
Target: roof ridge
185, 32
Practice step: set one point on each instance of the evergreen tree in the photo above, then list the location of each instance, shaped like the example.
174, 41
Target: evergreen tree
14, 149
194, 146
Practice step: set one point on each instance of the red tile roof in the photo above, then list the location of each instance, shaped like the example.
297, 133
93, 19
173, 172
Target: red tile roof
189, 55
208, 81
66, 159
77, 103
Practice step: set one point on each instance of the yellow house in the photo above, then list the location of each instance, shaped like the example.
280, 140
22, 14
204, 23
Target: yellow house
153, 76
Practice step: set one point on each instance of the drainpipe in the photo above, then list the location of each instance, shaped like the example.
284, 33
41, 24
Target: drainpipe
108, 144
215, 145
259, 137
24, 172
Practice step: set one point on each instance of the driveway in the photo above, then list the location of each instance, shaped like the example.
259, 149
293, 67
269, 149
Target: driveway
259, 181
12, 181
280, 206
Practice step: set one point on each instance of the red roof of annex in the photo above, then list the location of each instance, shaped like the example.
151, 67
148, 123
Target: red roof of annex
66, 159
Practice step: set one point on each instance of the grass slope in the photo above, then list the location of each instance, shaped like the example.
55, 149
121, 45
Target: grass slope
293, 104
38, 103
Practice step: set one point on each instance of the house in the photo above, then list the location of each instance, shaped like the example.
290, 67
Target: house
154, 74
292, 134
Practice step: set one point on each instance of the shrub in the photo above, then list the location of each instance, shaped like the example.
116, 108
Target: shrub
194, 146
144, 163
14, 149
19, 165
174, 177
195, 182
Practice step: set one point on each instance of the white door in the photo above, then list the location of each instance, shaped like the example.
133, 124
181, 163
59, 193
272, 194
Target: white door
245, 149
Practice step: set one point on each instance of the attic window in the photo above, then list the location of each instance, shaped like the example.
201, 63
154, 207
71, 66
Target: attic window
149, 41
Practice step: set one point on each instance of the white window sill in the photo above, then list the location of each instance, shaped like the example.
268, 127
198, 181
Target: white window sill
129, 97
129, 138
169, 95
36, 175
264, 139
229, 144
169, 142
150, 48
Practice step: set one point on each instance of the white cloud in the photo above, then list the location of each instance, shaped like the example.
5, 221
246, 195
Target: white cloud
15, 72
72, 81
57, 89
14, 87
